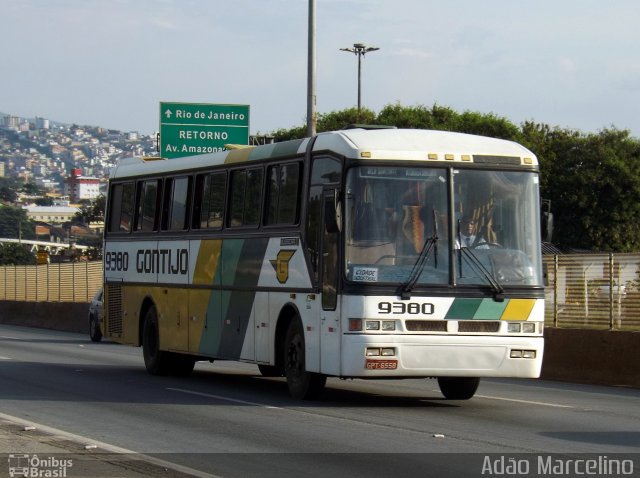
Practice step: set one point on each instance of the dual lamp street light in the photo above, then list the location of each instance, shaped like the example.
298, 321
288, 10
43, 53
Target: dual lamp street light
360, 49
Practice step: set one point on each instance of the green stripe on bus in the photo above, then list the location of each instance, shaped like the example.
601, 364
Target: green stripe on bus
287, 148
490, 309
229, 311
463, 309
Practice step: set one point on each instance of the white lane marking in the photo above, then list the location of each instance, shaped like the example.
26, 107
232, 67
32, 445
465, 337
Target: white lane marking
4, 358
529, 402
221, 397
88, 442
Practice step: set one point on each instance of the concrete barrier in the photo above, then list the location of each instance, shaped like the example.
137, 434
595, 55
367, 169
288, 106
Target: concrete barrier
65, 316
599, 357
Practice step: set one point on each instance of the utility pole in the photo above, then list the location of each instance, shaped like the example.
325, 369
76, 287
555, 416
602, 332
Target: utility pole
311, 72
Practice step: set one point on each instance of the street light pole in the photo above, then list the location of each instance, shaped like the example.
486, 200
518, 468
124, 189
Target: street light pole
360, 49
311, 71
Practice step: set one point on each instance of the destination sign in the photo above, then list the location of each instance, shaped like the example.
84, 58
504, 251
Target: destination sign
187, 129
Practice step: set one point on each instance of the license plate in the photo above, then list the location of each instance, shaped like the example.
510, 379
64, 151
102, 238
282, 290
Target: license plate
381, 364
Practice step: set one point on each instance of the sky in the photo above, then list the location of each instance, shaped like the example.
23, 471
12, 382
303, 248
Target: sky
571, 63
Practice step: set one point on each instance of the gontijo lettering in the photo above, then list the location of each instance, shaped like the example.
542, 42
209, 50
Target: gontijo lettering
162, 261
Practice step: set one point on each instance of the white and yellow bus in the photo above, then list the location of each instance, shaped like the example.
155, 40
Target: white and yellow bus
361, 253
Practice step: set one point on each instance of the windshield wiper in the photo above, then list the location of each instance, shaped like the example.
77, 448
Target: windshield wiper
476, 264
431, 243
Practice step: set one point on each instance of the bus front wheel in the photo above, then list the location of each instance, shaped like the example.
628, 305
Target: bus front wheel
302, 384
95, 334
156, 361
458, 388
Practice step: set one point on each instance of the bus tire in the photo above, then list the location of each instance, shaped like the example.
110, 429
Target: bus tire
458, 388
156, 361
95, 334
302, 385
270, 370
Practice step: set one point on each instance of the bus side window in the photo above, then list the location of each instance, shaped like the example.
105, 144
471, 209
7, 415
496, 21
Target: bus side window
176, 204
245, 197
121, 207
208, 206
283, 194
115, 207
147, 217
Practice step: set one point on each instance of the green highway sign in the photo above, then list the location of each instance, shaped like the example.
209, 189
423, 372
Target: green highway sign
187, 129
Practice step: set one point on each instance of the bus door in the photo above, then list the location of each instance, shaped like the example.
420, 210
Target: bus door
330, 333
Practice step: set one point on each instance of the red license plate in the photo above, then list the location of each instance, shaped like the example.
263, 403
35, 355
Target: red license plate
381, 364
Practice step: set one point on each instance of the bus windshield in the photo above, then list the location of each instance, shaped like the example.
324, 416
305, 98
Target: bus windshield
401, 226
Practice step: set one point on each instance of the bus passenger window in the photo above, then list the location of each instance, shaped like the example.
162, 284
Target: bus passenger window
246, 195
283, 193
176, 204
121, 207
208, 204
147, 210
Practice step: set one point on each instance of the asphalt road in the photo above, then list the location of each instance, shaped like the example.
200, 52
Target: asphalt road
227, 420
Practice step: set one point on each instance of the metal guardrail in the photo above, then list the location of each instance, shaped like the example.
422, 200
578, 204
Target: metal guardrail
65, 282
598, 291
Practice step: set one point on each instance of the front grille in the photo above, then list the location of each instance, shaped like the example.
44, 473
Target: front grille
426, 325
114, 310
482, 326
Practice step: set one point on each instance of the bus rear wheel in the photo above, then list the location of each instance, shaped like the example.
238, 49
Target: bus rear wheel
156, 361
302, 385
458, 388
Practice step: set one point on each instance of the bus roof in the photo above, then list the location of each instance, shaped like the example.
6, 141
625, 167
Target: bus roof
381, 144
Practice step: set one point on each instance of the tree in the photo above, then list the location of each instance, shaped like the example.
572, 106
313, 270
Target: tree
31, 189
13, 253
92, 211
8, 189
44, 201
340, 119
15, 224
592, 180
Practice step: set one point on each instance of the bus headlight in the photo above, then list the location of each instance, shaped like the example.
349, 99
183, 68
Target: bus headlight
529, 327
514, 327
372, 325
388, 325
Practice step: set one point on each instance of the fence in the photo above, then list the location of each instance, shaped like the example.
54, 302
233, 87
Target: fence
600, 291
65, 282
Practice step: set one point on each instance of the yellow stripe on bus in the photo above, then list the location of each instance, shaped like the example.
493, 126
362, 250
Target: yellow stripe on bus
207, 262
238, 155
518, 309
